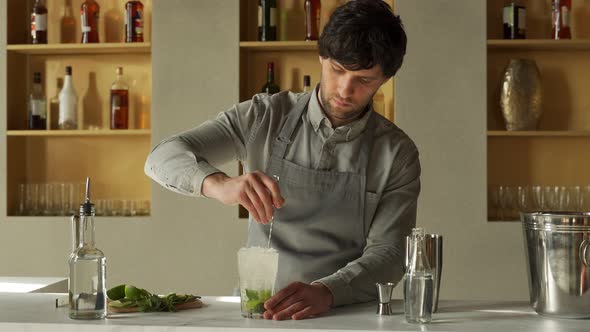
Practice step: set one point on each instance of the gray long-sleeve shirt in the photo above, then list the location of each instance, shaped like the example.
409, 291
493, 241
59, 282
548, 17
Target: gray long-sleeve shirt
246, 132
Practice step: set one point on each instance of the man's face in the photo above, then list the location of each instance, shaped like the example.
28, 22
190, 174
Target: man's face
344, 94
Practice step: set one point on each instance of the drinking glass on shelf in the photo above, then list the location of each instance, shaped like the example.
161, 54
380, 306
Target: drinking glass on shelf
126, 208
523, 198
551, 194
564, 199
493, 202
538, 198
32, 199
22, 195
506, 195
114, 207
575, 193
585, 194
142, 208
100, 207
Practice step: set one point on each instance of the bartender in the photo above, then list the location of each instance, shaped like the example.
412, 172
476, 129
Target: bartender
348, 179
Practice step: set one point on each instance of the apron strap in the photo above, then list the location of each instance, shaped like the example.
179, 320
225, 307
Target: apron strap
279, 147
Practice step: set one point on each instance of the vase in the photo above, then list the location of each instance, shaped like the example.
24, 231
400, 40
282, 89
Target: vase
521, 95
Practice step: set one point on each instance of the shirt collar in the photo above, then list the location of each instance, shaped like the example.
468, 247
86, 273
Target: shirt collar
318, 118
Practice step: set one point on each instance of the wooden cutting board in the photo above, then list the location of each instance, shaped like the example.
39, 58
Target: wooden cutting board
183, 306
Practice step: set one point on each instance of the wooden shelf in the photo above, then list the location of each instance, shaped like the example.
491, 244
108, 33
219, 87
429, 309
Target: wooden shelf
279, 46
54, 133
539, 133
101, 48
540, 44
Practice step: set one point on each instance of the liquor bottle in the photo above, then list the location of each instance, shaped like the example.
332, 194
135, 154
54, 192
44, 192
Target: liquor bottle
306, 83
270, 87
37, 105
89, 15
54, 106
267, 20
119, 102
514, 18
87, 265
68, 24
134, 22
68, 103
39, 23
312, 19
418, 282
561, 15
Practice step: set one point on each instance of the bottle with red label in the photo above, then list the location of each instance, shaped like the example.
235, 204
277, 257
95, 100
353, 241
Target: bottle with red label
561, 16
39, 23
134, 22
89, 15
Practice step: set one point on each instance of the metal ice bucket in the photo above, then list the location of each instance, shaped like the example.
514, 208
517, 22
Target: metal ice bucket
558, 258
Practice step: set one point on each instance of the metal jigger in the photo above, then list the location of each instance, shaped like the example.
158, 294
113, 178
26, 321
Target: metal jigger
385, 291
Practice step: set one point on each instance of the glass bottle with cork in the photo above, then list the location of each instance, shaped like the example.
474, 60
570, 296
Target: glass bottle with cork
87, 265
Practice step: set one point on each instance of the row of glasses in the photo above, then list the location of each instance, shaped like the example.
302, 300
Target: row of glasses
505, 202
122, 207
64, 199
49, 199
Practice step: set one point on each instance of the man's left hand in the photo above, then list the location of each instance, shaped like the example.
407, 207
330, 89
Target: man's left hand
298, 301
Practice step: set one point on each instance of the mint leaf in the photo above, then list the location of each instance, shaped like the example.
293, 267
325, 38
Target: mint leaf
252, 295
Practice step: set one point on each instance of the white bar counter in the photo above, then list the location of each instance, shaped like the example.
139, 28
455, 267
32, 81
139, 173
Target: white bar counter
37, 312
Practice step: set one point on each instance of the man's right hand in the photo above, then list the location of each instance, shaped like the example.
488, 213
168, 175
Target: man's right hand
257, 192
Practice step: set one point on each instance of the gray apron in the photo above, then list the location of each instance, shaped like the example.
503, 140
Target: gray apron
321, 227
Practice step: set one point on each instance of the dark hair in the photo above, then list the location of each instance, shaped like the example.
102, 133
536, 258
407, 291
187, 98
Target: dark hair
362, 34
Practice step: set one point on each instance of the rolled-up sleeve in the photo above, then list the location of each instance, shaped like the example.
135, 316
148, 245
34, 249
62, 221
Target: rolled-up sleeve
383, 256
182, 162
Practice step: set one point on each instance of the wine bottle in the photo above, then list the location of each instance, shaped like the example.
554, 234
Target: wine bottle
306, 83
39, 23
270, 87
37, 105
267, 20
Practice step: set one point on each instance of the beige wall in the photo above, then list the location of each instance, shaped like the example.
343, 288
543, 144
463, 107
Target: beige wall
440, 101
190, 244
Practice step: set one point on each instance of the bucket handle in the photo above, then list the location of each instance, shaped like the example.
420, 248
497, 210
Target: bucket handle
584, 254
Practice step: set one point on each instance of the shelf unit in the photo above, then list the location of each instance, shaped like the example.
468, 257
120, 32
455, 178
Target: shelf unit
112, 158
293, 57
557, 152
